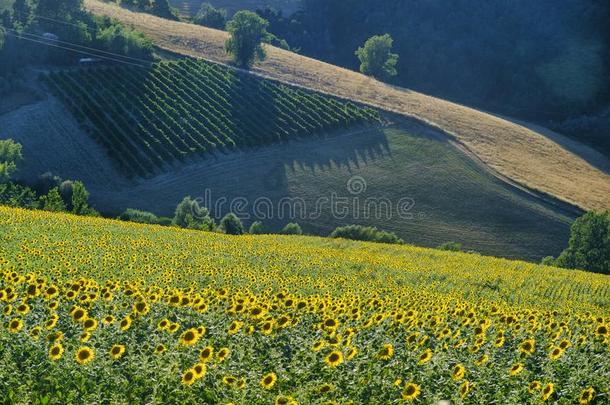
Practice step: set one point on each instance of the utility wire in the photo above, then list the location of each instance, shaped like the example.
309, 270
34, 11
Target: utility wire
76, 50
42, 38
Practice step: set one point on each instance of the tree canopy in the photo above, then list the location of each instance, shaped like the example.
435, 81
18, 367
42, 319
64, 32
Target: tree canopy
375, 57
247, 32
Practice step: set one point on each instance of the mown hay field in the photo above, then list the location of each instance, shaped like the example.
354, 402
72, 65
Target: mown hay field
100, 311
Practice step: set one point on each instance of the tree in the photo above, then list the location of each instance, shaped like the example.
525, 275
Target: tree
10, 156
80, 200
211, 17
589, 244
247, 31
21, 13
256, 228
375, 57
231, 225
161, 8
292, 228
52, 201
189, 214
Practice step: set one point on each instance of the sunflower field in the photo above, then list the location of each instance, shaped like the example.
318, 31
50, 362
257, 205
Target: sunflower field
102, 311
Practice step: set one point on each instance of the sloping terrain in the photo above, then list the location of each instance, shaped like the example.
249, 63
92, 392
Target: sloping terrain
102, 311
53, 141
527, 157
443, 194
149, 117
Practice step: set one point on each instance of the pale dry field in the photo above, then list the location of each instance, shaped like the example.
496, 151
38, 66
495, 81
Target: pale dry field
527, 157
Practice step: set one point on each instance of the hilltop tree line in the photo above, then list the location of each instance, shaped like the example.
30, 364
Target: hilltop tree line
59, 32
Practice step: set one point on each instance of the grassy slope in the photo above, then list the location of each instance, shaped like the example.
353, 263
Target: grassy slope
84, 243
523, 155
455, 199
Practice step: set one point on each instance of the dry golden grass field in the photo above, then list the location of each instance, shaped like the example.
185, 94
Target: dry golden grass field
537, 160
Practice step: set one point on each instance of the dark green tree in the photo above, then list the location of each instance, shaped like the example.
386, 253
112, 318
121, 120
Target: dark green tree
589, 245
161, 8
292, 228
21, 13
212, 17
52, 201
256, 228
80, 200
10, 156
231, 225
247, 31
376, 58
189, 214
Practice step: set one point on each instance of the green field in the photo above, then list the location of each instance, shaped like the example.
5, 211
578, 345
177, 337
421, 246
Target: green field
101, 311
454, 198
149, 117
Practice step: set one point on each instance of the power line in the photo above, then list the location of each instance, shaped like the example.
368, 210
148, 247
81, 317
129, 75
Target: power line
79, 46
76, 50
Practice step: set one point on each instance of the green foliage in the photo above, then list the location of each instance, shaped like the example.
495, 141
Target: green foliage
231, 225
16, 195
365, 233
122, 40
589, 245
193, 107
292, 228
10, 156
162, 8
451, 246
210, 16
190, 215
376, 59
143, 217
80, 200
256, 228
247, 31
52, 201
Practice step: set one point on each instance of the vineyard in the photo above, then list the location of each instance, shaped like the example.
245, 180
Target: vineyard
101, 311
148, 117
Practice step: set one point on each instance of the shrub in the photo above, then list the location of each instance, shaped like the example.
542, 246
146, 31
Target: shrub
143, 217
256, 228
365, 233
292, 228
451, 246
231, 225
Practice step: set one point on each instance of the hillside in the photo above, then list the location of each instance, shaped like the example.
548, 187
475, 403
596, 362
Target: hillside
96, 309
147, 118
546, 163
449, 196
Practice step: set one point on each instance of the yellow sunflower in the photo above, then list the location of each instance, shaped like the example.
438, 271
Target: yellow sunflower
116, 351
458, 372
56, 351
84, 355
334, 358
268, 381
411, 392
